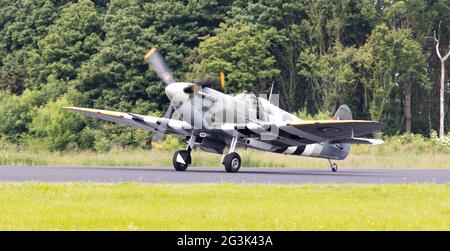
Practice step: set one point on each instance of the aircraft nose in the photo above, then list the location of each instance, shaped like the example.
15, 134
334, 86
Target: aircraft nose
175, 90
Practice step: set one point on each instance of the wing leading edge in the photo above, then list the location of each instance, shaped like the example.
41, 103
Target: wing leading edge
149, 123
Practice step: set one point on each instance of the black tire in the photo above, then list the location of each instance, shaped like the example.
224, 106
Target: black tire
186, 156
232, 162
334, 167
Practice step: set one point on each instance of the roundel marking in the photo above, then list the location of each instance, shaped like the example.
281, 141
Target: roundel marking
328, 129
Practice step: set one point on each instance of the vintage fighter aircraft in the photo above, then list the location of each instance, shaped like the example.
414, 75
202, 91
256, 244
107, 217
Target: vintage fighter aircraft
212, 120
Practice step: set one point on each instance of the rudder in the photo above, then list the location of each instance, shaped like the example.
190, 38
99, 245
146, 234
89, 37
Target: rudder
343, 113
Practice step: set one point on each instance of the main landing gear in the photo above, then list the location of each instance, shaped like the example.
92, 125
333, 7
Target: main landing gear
333, 166
182, 158
232, 161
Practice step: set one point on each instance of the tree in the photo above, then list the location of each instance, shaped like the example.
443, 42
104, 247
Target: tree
71, 40
23, 23
56, 128
17, 112
442, 85
390, 62
242, 53
285, 17
332, 75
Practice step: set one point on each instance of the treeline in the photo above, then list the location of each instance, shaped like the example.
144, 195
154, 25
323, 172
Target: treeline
376, 56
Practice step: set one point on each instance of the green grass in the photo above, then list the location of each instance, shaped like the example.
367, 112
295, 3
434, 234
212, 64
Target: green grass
136, 206
360, 158
401, 151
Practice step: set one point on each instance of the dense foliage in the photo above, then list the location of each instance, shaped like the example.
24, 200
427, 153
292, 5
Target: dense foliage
376, 56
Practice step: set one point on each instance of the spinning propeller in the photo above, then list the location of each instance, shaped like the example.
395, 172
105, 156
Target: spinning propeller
158, 64
156, 61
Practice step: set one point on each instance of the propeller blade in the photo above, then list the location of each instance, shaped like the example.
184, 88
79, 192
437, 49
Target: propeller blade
169, 112
155, 144
213, 82
160, 136
159, 66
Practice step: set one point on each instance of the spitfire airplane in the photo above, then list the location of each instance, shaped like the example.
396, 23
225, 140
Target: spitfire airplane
212, 120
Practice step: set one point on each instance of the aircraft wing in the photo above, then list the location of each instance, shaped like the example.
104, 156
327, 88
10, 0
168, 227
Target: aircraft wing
149, 123
281, 134
306, 132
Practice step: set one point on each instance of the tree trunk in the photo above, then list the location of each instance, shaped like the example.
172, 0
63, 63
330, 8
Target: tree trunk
442, 85
430, 108
408, 108
441, 101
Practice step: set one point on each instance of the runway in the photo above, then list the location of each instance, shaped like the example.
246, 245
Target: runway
217, 175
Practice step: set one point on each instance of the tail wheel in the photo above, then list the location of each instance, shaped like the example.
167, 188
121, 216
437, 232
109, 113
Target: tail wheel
181, 160
232, 162
334, 167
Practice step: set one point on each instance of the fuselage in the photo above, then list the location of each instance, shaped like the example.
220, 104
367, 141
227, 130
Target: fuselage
209, 108
205, 109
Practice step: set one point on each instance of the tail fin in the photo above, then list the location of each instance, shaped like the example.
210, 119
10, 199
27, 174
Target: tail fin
342, 149
343, 113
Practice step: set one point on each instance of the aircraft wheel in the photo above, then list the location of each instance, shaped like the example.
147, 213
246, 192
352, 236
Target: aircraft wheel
232, 162
181, 160
334, 167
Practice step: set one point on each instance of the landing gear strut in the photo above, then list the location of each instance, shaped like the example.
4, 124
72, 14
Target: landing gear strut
333, 166
182, 158
232, 161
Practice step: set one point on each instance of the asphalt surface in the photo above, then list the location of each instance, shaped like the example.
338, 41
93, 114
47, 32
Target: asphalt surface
215, 175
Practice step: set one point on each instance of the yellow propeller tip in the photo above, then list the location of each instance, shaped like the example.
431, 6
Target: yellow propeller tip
222, 79
149, 53
156, 145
